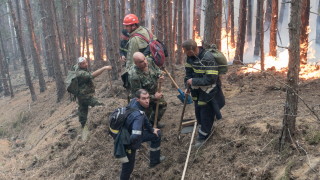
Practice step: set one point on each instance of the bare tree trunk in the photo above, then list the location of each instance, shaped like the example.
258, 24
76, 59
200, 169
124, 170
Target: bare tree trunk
217, 23
132, 7
34, 46
249, 21
52, 44
238, 59
291, 106
179, 33
59, 38
196, 18
13, 40
282, 9
258, 28
208, 37
267, 16
23, 56
110, 47
5, 69
4, 79
116, 37
174, 34
231, 22
96, 25
260, 3
318, 25
159, 20
47, 56
304, 34
274, 29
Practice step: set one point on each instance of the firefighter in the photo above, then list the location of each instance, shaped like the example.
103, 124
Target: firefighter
202, 76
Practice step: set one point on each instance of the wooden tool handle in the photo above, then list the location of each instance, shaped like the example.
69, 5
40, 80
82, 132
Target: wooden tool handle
170, 77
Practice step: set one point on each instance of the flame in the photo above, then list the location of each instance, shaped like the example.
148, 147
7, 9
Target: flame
91, 51
280, 64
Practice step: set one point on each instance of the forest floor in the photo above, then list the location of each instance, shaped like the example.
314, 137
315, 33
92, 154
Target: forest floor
42, 139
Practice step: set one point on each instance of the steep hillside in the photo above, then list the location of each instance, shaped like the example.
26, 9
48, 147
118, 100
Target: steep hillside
42, 140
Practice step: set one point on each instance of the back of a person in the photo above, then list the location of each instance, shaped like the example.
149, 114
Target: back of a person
86, 85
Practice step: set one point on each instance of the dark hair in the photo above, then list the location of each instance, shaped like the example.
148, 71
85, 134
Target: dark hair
189, 45
139, 92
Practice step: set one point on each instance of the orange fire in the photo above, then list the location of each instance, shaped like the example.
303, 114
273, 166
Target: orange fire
281, 63
91, 51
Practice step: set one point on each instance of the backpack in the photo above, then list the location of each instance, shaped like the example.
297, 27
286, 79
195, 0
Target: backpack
72, 82
117, 119
220, 59
155, 47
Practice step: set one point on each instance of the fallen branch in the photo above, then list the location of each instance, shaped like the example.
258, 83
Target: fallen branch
309, 163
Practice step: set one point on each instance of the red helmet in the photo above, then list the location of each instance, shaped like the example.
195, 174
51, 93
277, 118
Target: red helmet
130, 19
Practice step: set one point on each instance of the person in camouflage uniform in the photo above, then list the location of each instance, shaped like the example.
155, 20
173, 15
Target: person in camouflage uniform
136, 44
145, 75
86, 88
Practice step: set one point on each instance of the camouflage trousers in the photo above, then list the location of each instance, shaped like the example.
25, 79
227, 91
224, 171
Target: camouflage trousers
151, 111
84, 102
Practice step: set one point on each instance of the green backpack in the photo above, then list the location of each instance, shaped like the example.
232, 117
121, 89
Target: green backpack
220, 59
72, 81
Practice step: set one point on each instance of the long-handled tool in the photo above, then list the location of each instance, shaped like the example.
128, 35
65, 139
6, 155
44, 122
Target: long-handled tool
155, 123
181, 96
187, 122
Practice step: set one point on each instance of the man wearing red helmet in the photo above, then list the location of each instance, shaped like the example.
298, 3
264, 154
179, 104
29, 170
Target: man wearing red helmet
131, 24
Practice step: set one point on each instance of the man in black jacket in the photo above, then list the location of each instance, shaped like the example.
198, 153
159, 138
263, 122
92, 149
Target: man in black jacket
124, 45
202, 76
140, 131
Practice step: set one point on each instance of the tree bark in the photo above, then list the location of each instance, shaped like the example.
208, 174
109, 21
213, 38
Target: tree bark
258, 28
47, 7
115, 40
260, 3
13, 40
238, 59
291, 106
230, 28
267, 16
4, 79
159, 20
179, 33
304, 33
22, 53
282, 9
318, 25
34, 46
96, 26
274, 29
249, 21
217, 23
5, 69
208, 37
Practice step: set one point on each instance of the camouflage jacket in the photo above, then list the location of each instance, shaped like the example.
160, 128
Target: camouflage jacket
137, 44
144, 80
85, 82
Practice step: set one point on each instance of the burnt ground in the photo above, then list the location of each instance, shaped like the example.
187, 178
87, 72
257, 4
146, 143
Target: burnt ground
42, 139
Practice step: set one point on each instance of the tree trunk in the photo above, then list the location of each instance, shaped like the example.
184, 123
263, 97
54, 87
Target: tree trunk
217, 23
22, 53
282, 9
196, 19
4, 79
115, 40
174, 34
110, 47
69, 29
238, 59
47, 56
208, 37
258, 28
249, 21
52, 44
132, 7
159, 20
34, 46
318, 25
5, 68
274, 29
96, 25
179, 33
60, 39
260, 3
13, 40
304, 33
230, 28
267, 16
291, 106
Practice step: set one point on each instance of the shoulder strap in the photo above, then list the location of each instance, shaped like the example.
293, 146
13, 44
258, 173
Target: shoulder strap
141, 36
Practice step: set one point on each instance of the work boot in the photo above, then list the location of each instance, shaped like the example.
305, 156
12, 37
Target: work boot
162, 158
199, 143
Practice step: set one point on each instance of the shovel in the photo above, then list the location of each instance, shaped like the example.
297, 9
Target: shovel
181, 95
185, 122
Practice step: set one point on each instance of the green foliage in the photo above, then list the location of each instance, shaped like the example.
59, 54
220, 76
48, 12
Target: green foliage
3, 132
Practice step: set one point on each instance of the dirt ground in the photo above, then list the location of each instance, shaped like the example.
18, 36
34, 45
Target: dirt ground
42, 139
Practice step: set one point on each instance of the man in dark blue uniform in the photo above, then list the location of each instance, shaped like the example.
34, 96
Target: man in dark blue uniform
202, 76
140, 131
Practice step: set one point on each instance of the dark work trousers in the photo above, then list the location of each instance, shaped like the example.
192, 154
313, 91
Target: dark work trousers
127, 168
84, 103
205, 117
